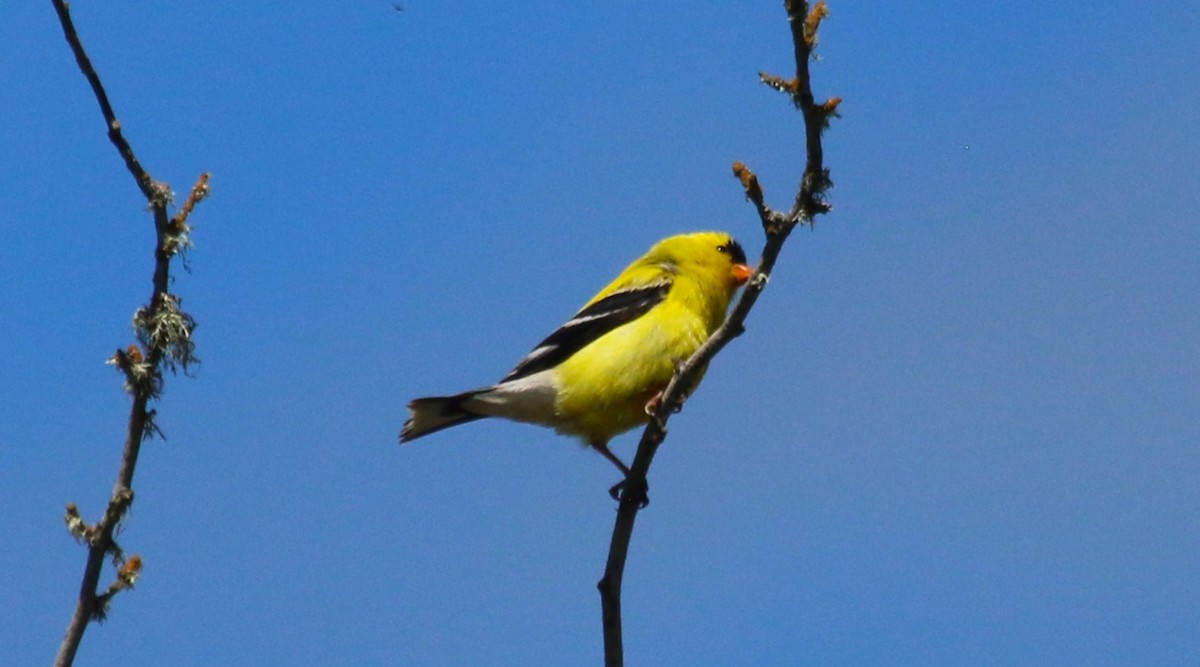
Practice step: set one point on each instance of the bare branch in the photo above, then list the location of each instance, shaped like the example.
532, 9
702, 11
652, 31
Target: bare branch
164, 332
777, 226
148, 186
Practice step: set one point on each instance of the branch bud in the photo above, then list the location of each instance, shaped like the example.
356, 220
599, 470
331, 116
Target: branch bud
76, 525
749, 183
130, 571
788, 86
812, 23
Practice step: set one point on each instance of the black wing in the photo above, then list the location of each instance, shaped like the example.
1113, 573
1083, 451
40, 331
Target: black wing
588, 325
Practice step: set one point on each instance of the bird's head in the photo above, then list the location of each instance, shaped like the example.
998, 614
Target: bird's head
705, 254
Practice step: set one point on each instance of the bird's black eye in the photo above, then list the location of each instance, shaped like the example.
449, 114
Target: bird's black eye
734, 250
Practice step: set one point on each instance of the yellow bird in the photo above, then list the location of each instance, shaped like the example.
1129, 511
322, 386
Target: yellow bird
602, 372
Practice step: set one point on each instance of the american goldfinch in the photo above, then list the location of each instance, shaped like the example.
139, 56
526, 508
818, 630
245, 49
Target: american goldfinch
602, 372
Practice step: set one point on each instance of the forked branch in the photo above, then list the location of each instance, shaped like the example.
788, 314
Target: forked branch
164, 333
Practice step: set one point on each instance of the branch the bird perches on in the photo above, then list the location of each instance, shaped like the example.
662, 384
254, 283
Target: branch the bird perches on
810, 202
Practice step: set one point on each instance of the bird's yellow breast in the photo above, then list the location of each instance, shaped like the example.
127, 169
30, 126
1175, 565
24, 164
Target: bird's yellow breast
604, 388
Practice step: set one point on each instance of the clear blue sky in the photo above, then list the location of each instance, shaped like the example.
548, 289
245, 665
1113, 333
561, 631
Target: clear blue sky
961, 429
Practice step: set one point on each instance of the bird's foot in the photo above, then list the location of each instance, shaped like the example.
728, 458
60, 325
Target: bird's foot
655, 401
629, 491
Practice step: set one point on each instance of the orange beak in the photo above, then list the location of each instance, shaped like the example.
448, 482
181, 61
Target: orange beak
742, 273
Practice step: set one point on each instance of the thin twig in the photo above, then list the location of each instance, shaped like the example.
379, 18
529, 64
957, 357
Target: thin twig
165, 332
144, 181
777, 226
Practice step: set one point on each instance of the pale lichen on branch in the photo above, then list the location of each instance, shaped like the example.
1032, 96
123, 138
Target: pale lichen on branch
163, 327
164, 334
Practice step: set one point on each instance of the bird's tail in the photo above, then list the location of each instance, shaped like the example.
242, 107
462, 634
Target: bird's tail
429, 415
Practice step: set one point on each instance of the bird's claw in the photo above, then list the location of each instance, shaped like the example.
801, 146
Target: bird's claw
627, 491
652, 404
655, 401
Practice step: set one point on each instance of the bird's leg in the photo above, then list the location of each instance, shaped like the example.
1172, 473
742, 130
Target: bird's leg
636, 493
602, 447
